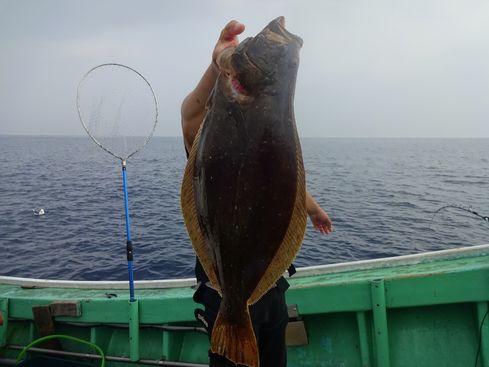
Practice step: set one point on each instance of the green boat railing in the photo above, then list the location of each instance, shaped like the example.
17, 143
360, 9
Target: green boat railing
424, 310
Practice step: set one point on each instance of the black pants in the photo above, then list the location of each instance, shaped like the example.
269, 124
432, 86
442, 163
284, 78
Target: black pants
269, 317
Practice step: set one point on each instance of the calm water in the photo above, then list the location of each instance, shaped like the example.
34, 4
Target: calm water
380, 193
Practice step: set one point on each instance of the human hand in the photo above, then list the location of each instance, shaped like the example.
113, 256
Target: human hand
227, 39
318, 216
321, 221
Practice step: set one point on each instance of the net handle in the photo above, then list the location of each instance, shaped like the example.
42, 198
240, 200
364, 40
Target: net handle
86, 128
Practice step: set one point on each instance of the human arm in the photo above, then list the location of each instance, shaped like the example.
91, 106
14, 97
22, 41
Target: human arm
193, 106
319, 218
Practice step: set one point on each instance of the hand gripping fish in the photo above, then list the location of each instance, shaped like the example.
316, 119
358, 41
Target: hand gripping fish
243, 191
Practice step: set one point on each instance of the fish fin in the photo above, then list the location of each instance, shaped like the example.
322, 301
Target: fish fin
293, 238
190, 216
236, 342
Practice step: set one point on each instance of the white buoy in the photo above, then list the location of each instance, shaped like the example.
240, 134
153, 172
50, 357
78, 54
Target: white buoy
39, 211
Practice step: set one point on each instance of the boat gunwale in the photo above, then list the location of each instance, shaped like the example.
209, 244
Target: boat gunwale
309, 271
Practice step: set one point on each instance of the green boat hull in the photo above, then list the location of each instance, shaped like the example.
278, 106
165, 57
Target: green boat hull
422, 310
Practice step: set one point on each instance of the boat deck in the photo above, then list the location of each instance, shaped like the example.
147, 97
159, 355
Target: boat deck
416, 310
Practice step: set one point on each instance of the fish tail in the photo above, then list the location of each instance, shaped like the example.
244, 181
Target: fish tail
235, 341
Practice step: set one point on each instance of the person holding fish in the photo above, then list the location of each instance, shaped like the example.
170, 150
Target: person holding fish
243, 194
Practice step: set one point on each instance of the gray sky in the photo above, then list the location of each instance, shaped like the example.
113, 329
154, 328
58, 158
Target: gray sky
417, 68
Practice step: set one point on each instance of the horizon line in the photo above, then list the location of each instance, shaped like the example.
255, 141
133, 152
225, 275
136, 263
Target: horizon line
301, 137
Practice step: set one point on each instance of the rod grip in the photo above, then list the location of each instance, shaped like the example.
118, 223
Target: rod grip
129, 250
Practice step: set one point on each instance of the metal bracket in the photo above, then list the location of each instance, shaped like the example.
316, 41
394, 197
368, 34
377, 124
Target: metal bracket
296, 333
44, 319
65, 308
45, 326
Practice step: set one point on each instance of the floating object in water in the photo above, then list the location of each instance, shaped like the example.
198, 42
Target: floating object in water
39, 211
243, 193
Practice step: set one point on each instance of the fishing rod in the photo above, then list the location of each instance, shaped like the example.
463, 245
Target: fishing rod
459, 207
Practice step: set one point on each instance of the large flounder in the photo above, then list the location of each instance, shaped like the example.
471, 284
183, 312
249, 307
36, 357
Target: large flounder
243, 192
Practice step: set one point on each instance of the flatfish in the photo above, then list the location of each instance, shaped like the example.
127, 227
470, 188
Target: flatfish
243, 191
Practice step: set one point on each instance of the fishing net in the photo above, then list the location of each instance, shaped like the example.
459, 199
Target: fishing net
118, 109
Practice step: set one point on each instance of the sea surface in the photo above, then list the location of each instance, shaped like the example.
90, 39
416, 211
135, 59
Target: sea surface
380, 193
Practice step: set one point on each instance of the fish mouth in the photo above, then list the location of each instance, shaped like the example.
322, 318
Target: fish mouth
281, 21
248, 68
274, 38
238, 88
281, 30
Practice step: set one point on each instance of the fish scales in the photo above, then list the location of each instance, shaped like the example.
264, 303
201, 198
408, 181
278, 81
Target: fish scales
243, 193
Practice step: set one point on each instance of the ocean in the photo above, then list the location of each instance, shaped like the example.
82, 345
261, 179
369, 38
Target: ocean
380, 193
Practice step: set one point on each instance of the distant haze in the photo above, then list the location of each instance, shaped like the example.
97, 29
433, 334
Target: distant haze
417, 68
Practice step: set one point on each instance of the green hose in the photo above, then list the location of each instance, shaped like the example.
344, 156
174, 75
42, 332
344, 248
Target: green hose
49, 337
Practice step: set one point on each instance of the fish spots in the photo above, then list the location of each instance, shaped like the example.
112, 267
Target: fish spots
250, 205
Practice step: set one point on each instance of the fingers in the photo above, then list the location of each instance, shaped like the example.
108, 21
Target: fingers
321, 221
321, 230
231, 31
227, 39
324, 228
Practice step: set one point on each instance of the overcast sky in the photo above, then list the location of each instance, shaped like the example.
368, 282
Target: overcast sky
417, 68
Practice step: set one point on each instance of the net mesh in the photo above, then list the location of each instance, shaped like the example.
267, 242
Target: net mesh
118, 109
